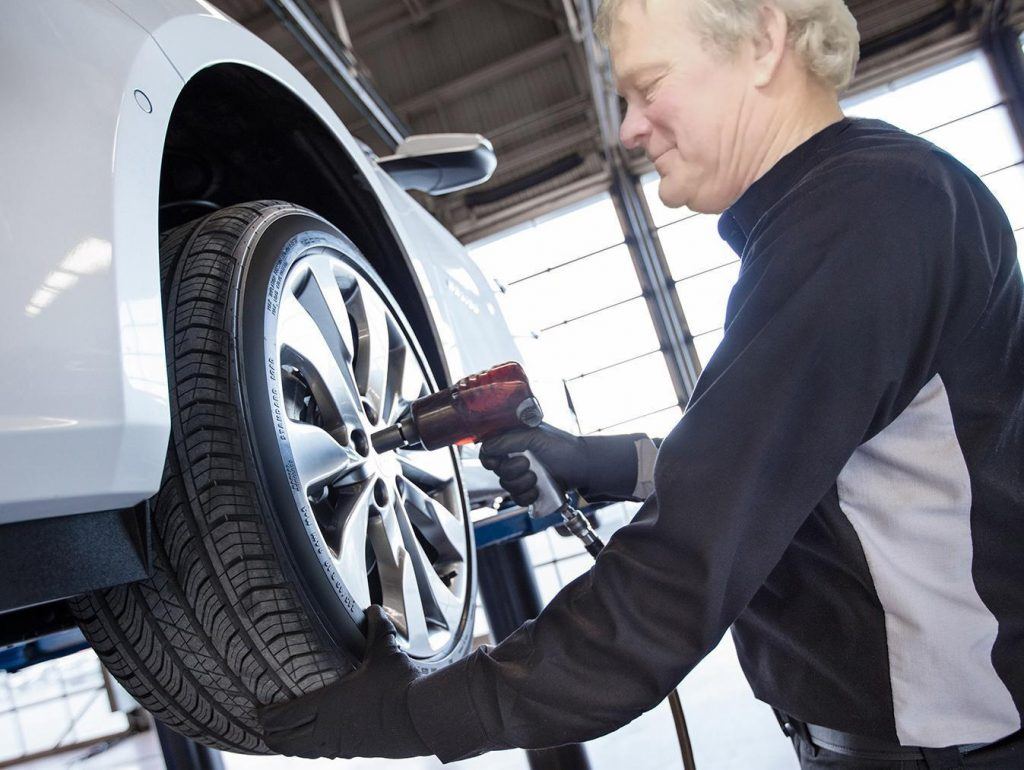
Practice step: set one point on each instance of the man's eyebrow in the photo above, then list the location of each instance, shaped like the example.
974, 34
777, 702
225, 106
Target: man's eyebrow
633, 73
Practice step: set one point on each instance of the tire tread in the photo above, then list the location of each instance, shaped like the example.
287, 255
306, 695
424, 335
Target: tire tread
218, 629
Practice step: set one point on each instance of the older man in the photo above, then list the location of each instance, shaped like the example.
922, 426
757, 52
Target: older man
845, 488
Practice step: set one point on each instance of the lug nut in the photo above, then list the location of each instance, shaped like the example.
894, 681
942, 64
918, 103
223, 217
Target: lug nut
360, 442
369, 411
380, 493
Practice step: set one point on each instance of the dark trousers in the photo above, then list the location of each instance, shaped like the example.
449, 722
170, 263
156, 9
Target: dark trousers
1007, 754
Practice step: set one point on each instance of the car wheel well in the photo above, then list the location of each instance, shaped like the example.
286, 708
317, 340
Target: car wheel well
237, 135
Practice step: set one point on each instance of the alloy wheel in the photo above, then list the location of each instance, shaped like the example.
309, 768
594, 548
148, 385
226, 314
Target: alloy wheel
388, 528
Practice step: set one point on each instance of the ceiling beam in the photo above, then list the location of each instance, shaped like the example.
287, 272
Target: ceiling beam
552, 48
529, 7
517, 162
573, 20
390, 20
340, 27
339, 64
565, 111
417, 10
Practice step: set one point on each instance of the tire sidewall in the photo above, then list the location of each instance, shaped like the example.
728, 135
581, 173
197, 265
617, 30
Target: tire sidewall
267, 251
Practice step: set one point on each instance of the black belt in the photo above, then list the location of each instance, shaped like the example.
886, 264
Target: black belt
861, 747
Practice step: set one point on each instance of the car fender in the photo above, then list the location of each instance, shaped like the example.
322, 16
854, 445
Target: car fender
84, 418
473, 333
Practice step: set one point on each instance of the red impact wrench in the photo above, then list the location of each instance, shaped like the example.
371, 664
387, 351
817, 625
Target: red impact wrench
479, 407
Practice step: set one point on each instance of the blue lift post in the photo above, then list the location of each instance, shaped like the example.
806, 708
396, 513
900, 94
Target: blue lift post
181, 753
509, 593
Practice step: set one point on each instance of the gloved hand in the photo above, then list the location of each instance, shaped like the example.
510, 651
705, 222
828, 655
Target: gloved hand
362, 715
598, 466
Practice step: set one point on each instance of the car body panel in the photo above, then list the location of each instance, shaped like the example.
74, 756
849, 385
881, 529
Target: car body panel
472, 331
84, 413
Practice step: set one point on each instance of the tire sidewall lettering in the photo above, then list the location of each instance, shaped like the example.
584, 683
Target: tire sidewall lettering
299, 245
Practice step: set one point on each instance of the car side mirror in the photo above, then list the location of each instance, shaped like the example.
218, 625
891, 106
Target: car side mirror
440, 163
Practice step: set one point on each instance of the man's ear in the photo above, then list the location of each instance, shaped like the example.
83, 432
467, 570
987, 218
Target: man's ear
770, 44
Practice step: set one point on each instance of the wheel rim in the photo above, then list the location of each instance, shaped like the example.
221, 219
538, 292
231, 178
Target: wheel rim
392, 527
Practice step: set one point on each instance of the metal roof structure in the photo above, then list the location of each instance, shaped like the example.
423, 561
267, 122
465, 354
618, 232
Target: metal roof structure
517, 72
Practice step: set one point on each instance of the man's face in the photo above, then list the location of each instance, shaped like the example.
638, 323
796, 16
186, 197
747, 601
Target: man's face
688, 105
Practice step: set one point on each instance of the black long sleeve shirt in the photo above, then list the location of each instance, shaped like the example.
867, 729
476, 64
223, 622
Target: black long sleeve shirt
845, 488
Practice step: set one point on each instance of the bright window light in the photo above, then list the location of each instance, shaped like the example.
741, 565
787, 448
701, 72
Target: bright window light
621, 393
595, 341
575, 289
655, 425
694, 246
707, 343
572, 298
1008, 186
549, 240
705, 295
514, 254
984, 142
580, 230
934, 97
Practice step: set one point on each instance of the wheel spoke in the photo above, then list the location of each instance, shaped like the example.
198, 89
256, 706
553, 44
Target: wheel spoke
438, 525
353, 513
318, 457
320, 267
298, 332
391, 404
399, 589
416, 621
440, 603
430, 470
371, 364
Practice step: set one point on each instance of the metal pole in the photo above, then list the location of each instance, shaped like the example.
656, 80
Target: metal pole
656, 280
651, 266
339, 23
181, 753
340, 66
1002, 44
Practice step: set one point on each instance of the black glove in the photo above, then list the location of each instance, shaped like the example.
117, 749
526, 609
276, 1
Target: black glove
362, 715
600, 467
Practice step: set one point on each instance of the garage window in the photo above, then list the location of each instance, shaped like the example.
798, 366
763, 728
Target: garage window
570, 292
57, 703
701, 264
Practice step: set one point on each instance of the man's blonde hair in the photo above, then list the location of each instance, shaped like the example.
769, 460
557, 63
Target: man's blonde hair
823, 33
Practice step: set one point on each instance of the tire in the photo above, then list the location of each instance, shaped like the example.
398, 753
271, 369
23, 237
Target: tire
259, 576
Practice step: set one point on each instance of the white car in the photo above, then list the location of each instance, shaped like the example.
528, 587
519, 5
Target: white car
212, 297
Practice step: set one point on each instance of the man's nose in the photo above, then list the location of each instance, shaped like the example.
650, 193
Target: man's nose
635, 129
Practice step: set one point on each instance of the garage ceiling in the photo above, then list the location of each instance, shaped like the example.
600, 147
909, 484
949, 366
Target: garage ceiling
515, 71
